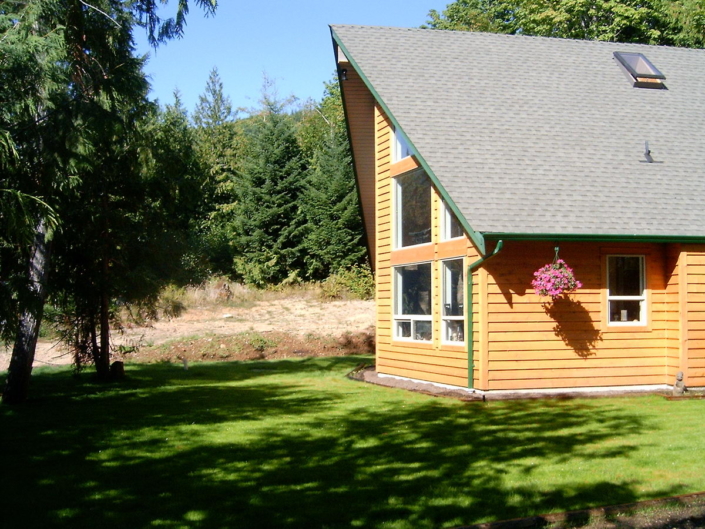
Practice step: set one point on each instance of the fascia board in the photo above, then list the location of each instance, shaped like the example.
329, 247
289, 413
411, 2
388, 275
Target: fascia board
593, 237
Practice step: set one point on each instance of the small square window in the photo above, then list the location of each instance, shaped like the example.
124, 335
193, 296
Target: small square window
626, 290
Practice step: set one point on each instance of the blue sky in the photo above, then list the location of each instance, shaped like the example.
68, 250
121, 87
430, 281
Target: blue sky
289, 40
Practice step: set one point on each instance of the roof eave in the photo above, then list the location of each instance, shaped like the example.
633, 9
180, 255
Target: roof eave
593, 237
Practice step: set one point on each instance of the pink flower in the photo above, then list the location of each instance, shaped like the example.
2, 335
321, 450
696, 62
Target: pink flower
554, 280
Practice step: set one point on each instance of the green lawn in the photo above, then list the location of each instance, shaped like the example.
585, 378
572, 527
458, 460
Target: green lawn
295, 444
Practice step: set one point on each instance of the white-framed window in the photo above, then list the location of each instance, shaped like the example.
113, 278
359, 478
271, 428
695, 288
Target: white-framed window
401, 147
453, 301
450, 227
626, 290
412, 205
413, 309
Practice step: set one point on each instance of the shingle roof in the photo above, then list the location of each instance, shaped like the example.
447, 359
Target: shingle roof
537, 135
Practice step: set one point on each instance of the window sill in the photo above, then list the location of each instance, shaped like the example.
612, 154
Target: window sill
453, 346
416, 344
626, 327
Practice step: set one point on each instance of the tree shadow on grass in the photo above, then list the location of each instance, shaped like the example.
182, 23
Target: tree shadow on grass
162, 453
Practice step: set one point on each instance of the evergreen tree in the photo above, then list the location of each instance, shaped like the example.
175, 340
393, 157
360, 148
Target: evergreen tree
267, 221
214, 107
177, 177
217, 141
332, 236
134, 217
333, 231
66, 73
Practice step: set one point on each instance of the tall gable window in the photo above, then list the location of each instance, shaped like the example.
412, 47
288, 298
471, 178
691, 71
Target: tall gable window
401, 147
412, 302
626, 289
413, 209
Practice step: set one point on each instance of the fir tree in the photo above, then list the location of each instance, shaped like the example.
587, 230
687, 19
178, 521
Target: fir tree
217, 144
333, 232
214, 107
332, 236
67, 77
267, 220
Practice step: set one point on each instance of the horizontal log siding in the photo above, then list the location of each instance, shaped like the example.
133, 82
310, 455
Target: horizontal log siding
674, 312
694, 367
529, 349
359, 104
383, 206
434, 362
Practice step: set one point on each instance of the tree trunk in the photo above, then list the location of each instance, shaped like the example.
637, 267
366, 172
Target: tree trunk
20, 369
102, 364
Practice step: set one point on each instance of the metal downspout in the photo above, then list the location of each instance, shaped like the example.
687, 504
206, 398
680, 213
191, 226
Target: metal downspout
471, 268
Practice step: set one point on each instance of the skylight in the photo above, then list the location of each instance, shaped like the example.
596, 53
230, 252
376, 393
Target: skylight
643, 74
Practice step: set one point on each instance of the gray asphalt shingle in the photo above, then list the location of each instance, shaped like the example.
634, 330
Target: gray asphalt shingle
537, 135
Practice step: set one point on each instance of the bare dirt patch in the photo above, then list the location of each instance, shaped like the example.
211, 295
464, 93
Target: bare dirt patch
246, 330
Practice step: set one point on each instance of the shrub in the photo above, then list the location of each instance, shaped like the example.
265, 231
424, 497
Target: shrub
258, 342
171, 302
355, 282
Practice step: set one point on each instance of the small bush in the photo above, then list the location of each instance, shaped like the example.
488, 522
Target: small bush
258, 342
48, 328
356, 282
171, 302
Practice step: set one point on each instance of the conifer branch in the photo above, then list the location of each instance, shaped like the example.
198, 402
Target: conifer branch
102, 13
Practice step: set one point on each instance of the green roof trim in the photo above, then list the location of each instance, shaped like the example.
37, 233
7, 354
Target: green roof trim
593, 237
476, 237
469, 301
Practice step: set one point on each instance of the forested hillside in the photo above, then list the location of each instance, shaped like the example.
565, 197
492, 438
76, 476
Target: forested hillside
276, 192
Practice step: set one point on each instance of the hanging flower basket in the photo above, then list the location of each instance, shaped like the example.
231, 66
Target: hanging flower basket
555, 279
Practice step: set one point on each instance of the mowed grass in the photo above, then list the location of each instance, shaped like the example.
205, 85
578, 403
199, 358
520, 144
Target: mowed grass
292, 443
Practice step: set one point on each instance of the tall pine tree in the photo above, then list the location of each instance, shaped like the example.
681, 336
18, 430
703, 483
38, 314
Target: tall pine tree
65, 67
214, 108
333, 231
267, 218
217, 141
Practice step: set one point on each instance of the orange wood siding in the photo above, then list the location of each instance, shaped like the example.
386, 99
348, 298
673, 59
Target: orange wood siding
694, 338
433, 361
478, 314
674, 311
359, 108
572, 345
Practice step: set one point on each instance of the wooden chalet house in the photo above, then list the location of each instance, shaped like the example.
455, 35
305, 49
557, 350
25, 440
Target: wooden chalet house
477, 155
